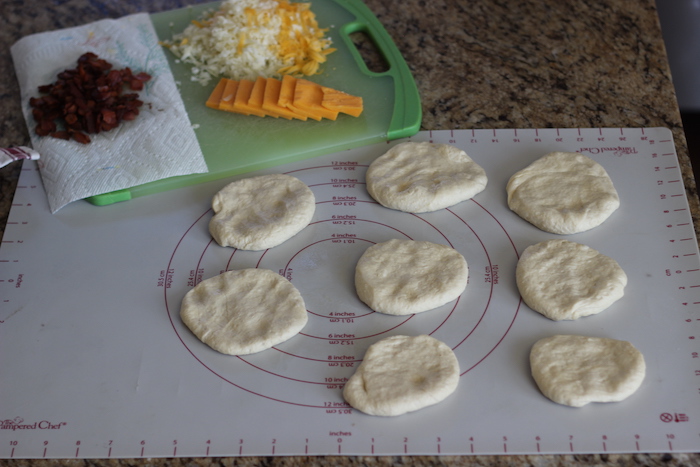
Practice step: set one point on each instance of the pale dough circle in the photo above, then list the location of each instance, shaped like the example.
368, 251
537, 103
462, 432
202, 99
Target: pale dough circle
575, 370
402, 374
401, 277
261, 212
244, 311
563, 193
423, 177
564, 280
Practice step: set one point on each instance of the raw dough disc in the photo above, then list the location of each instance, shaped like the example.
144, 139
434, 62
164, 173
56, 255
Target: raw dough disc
563, 193
244, 311
401, 277
261, 212
401, 374
576, 370
567, 280
423, 177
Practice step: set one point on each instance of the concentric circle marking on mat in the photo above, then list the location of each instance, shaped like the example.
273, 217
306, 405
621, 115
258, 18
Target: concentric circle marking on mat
307, 362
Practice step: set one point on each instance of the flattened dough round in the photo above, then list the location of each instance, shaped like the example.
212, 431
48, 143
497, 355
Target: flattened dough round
424, 177
563, 193
244, 311
261, 212
564, 280
575, 370
401, 277
401, 374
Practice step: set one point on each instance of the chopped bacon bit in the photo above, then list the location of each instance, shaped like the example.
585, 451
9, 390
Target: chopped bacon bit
108, 116
87, 99
80, 137
60, 134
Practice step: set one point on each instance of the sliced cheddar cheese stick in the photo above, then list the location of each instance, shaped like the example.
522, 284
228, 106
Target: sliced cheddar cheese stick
308, 97
289, 98
240, 103
342, 102
271, 100
289, 84
229, 96
215, 97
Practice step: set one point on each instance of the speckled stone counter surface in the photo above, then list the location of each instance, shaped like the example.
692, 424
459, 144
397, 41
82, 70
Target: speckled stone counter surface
478, 64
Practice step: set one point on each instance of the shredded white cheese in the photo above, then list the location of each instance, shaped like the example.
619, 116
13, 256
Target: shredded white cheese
245, 39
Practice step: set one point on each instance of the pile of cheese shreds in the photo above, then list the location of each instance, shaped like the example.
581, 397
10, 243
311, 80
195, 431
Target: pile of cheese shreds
245, 39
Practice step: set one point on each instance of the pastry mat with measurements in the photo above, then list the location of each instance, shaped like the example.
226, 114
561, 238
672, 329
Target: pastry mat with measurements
95, 362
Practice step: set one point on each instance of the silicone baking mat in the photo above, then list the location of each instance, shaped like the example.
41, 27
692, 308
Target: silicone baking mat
94, 361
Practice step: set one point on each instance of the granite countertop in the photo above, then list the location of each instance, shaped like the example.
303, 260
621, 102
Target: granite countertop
478, 64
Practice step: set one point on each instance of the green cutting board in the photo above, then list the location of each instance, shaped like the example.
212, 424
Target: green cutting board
234, 144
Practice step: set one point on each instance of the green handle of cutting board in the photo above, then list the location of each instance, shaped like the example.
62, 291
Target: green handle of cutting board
407, 115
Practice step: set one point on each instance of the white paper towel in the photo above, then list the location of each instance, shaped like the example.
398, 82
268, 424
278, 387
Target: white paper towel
159, 143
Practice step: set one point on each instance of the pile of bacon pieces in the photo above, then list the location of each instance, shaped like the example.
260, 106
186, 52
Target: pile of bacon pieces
87, 100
